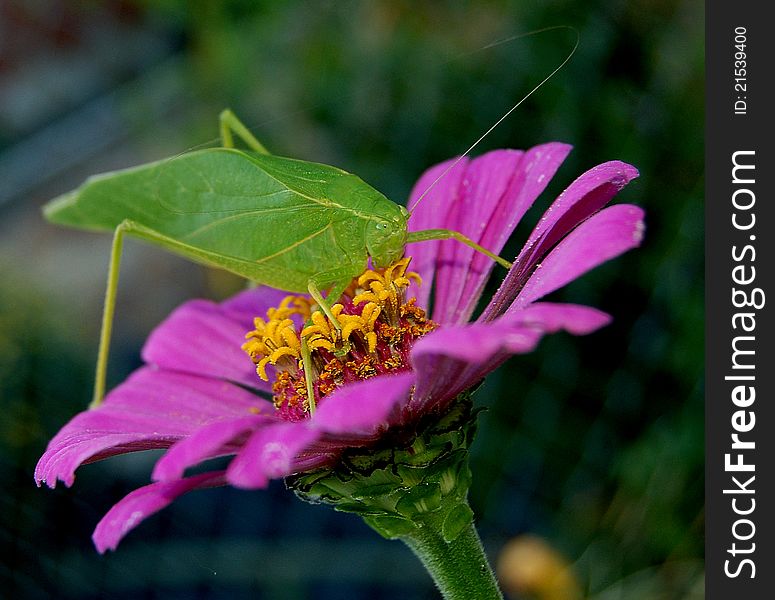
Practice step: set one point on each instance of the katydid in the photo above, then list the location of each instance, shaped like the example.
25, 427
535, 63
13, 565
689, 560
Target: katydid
293, 225
290, 224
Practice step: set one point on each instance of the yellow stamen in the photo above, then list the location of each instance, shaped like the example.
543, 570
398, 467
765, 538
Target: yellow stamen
320, 325
370, 313
320, 342
261, 368
280, 352
371, 340
380, 290
275, 337
414, 277
291, 305
350, 327
337, 346
365, 297
369, 276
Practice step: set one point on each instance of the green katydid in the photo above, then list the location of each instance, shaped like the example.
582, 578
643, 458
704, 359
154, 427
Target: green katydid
290, 224
286, 223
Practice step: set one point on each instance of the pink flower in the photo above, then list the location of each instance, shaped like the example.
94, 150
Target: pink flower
196, 393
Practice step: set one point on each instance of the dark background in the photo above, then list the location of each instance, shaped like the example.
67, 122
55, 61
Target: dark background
594, 444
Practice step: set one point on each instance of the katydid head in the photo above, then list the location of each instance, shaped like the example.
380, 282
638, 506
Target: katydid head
386, 238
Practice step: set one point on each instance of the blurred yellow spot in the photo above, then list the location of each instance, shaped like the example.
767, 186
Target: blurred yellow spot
529, 566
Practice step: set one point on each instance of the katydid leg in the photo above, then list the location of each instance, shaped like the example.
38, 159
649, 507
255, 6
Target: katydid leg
335, 290
306, 358
108, 311
447, 234
230, 123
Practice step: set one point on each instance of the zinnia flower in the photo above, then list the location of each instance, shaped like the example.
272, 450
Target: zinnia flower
385, 369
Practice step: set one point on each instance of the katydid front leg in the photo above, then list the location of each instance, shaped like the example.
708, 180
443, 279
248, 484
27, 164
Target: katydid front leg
337, 281
447, 234
306, 359
342, 277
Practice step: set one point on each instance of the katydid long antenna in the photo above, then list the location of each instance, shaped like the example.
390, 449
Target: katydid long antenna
513, 108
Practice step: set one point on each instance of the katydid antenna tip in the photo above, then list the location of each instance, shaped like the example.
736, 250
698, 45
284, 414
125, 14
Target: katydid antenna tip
513, 108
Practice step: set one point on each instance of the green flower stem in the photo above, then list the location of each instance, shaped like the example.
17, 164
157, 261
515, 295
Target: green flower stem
459, 568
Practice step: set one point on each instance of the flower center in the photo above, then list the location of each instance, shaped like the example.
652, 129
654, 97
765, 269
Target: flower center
377, 326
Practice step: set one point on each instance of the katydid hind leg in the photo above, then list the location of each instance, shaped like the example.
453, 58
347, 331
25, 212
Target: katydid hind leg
108, 311
229, 123
126, 227
447, 234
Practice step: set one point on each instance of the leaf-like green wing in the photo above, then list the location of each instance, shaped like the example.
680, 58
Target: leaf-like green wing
263, 217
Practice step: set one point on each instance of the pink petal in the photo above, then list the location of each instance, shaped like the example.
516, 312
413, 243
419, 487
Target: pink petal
247, 305
607, 234
516, 333
551, 317
431, 214
142, 503
270, 453
201, 339
211, 440
484, 184
501, 213
454, 358
362, 408
151, 409
585, 196
484, 200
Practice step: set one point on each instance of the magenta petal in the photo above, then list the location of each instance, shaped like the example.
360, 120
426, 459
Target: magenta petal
151, 409
604, 236
515, 333
200, 339
432, 213
535, 170
142, 503
247, 305
585, 196
214, 439
551, 317
484, 199
452, 359
484, 185
271, 452
362, 408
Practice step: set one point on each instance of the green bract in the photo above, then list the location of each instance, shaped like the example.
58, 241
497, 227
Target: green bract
401, 487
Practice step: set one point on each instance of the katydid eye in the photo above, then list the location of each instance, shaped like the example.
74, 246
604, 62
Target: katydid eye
381, 226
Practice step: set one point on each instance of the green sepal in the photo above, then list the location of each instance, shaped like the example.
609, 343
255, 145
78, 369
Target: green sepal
357, 508
457, 519
374, 491
423, 455
422, 498
390, 527
365, 463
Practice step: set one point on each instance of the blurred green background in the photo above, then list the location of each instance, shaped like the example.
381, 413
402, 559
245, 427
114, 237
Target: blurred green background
594, 444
